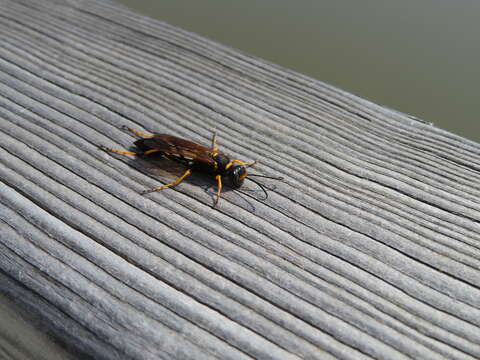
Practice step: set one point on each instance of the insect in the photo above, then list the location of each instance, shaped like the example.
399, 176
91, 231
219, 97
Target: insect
194, 157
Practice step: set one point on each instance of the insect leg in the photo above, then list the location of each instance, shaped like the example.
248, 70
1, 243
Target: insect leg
239, 162
121, 152
118, 151
219, 190
136, 132
214, 142
151, 151
176, 182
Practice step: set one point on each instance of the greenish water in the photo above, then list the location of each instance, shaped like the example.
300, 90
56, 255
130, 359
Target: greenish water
418, 57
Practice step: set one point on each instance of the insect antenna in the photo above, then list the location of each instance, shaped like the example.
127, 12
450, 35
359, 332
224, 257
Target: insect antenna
268, 177
260, 185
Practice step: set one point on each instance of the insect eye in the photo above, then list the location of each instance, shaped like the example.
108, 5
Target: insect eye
239, 173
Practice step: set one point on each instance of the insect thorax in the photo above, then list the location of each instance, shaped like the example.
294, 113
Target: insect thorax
221, 162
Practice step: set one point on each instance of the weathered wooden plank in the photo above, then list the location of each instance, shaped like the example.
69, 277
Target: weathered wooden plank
368, 249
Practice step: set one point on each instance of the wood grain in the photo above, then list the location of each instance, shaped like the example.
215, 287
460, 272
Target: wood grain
368, 250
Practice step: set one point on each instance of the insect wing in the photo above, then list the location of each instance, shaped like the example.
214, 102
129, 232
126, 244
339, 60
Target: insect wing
177, 147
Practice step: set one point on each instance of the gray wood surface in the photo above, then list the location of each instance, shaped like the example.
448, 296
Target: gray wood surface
368, 250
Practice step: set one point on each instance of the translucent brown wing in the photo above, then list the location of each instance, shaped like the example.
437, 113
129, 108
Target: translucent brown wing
175, 147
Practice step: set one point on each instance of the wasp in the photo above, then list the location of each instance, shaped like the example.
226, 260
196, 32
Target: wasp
194, 157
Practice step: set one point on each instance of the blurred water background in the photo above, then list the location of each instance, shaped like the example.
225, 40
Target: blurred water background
420, 57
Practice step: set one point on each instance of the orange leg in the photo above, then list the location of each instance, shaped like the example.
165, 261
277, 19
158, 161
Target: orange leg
118, 151
121, 152
214, 143
239, 162
151, 151
136, 132
219, 189
176, 182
